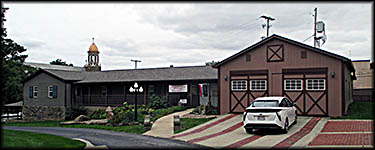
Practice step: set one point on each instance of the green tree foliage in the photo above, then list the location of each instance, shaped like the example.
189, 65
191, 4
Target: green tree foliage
13, 71
60, 62
156, 102
211, 63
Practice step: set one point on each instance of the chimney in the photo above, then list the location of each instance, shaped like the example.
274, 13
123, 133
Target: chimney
171, 66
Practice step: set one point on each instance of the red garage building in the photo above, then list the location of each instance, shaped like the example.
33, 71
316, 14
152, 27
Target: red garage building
319, 82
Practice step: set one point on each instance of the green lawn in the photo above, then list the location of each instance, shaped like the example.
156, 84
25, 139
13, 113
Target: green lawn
26, 140
137, 129
187, 123
359, 110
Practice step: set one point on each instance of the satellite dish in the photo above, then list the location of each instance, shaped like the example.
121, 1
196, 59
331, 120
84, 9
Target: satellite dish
263, 37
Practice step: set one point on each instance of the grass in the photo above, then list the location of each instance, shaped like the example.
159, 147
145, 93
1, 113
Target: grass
187, 123
137, 129
359, 110
26, 140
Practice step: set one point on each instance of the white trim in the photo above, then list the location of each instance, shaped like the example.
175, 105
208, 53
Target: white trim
35, 91
265, 85
307, 85
237, 85
295, 89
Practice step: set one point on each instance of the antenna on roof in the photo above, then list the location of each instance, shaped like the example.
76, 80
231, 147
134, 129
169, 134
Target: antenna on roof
135, 61
268, 21
93, 39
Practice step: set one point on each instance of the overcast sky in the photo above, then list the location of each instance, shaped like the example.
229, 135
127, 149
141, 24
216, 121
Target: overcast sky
179, 34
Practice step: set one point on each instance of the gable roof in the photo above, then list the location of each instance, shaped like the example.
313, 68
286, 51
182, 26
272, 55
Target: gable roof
54, 67
275, 36
63, 75
152, 74
129, 75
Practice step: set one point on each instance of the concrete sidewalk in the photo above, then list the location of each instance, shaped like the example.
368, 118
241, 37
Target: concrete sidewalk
163, 127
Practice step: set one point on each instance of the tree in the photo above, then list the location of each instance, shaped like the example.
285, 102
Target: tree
211, 63
13, 71
60, 62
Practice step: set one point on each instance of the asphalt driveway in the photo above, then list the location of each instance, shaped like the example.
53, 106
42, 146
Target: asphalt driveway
110, 139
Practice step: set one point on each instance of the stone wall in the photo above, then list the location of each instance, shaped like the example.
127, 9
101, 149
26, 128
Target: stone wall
43, 113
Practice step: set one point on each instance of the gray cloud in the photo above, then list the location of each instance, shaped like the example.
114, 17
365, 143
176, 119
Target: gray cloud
181, 33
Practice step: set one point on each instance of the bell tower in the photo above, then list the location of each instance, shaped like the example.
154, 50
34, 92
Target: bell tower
93, 58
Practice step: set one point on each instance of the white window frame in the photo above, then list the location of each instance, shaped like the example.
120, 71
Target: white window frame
294, 89
50, 91
256, 85
35, 91
238, 85
312, 89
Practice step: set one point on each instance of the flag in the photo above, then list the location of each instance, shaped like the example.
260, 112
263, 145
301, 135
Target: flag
201, 90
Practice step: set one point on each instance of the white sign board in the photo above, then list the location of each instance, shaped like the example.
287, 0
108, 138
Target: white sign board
178, 88
183, 101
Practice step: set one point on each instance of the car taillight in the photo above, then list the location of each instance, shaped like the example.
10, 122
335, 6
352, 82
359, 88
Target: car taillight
278, 114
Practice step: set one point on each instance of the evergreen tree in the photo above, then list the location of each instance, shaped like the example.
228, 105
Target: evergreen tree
13, 71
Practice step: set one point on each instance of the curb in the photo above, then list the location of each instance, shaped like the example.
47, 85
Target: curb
90, 145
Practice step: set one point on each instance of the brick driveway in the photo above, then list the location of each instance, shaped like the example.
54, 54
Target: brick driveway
227, 132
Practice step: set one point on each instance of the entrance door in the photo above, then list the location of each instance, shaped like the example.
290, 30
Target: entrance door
245, 86
308, 88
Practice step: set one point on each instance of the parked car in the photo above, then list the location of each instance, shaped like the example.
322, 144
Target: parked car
270, 113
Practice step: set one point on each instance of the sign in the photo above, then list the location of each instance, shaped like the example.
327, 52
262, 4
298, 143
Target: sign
178, 88
183, 101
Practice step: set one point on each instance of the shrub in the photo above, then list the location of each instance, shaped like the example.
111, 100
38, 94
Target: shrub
98, 114
73, 112
156, 102
196, 109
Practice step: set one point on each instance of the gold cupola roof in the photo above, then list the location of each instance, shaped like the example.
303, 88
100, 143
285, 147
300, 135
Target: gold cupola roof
93, 48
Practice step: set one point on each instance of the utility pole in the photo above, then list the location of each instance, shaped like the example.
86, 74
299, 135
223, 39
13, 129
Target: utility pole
135, 61
315, 16
268, 21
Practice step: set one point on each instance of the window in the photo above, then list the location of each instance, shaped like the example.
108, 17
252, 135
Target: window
303, 54
50, 91
258, 85
239, 85
78, 91
267, 103
283, 103
248, 57
35, 92
316, 84
293, 84
103, 90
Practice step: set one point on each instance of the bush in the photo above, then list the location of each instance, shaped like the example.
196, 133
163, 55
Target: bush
98, 114
156, 102
196, 109
75, 111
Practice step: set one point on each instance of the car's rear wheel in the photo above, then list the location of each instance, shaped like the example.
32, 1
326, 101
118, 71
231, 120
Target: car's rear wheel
249, 130
295, 120
286, 126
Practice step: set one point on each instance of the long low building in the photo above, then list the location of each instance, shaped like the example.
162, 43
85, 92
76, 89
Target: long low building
319, 82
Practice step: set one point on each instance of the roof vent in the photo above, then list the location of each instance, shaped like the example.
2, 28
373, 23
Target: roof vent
171, 66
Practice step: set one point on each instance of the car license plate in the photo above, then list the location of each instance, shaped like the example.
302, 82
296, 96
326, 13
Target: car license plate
261, 118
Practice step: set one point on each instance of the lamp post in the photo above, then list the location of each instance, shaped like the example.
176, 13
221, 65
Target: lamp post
135, 89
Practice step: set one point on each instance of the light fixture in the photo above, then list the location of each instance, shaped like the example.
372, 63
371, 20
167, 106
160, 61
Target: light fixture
226, 78
333, 74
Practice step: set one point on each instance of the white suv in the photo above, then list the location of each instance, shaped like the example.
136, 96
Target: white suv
270, 112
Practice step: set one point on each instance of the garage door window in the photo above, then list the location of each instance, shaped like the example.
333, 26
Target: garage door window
293, 84
316, 84
239, 85
258, 85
